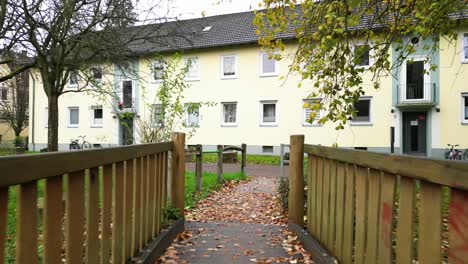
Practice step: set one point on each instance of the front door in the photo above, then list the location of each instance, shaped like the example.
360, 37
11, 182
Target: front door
414, 133
126, 127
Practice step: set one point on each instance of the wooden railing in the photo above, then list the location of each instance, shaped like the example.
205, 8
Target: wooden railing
367, 207
96, 206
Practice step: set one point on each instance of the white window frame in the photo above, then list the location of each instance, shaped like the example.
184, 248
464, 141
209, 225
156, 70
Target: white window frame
304, 113
403, 80
462, 36
364, 123
371, 54
233, 124
464, 96
198, 76
187, 114
73, 85
161, 63
93, 120
236, 68
153, 123
269, 124
102, 73
69, 114
268, 74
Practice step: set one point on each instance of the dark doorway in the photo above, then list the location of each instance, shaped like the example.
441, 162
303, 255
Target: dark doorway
127, 131
414, 133
415, 80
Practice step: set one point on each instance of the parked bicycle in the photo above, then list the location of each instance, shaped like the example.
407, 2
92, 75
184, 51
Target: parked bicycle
74, 144
455, 154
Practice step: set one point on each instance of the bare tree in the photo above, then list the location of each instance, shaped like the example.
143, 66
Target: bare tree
67, 37
14, 106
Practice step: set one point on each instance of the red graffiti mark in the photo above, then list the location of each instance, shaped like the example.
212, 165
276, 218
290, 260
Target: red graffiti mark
458, 227
386, 224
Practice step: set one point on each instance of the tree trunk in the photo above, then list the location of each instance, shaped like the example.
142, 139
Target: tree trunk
52, 131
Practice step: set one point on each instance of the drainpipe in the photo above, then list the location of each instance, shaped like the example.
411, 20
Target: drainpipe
33, 111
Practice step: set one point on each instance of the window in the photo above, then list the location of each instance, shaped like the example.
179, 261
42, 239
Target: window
73, 117
158, 113
97, 73
362, 55
4, 94
465, 48
228, 67
311, 112
127, 94
229, 117
268, 66
193, 115
193, 73
97, 116
73, 78
268, 113
363, 111
267, 149
158, 70
465, 108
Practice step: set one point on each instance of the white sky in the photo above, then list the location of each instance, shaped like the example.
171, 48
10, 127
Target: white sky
184, 9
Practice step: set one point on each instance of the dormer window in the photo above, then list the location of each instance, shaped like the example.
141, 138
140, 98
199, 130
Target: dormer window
207, 28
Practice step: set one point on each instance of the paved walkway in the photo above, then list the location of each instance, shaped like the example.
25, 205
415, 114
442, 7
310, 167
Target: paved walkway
241, 224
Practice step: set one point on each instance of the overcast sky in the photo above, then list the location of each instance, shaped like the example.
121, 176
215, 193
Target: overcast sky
184, 9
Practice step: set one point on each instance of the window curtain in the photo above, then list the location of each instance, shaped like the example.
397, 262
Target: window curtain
74, 117
230, 113
229, 66
269, 113
269, 65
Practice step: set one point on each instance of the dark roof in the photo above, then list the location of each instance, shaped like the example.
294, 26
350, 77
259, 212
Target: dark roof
226, 30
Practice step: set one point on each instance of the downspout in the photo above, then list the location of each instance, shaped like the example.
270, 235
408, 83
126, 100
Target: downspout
33, 111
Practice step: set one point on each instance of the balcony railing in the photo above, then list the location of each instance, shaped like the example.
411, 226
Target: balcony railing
412, 93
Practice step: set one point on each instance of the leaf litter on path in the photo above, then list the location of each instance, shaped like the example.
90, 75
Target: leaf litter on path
233, 204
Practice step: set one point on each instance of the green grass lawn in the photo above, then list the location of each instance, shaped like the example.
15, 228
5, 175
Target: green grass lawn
191, 198
251, 159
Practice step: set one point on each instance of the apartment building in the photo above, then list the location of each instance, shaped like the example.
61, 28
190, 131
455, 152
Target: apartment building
416, 111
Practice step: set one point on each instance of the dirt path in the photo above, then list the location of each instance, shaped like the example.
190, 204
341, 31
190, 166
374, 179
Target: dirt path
255, 170
241, 224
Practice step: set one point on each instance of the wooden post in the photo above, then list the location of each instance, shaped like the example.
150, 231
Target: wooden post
178, 171
244, 158
220, 164
296, 181
199, 168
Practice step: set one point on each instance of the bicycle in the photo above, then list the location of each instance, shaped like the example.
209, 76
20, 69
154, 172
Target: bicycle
455, 154
84, 145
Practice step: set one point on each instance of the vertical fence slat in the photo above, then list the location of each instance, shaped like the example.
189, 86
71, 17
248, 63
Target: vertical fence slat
361, 203
326, 202
430, 223
151, 195
372, 241
313, 194
147, 210
319, 207
308, 177
106, 214
332, 223
128, 209
386, 218
136, 224
404, 241
74, 218
348, 222
142, 210
340, 193
158, 193
164, 177
53, 220
178, 172
458, 226
92, 216
3, 220
117, 212
26, 225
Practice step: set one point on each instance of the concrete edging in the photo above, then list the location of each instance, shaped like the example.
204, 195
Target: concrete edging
318, 252
158, 246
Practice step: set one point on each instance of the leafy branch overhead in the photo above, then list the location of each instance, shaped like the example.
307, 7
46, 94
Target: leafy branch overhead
334, 37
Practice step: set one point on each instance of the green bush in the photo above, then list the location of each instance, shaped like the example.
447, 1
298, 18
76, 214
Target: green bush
283, 191
170, 214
